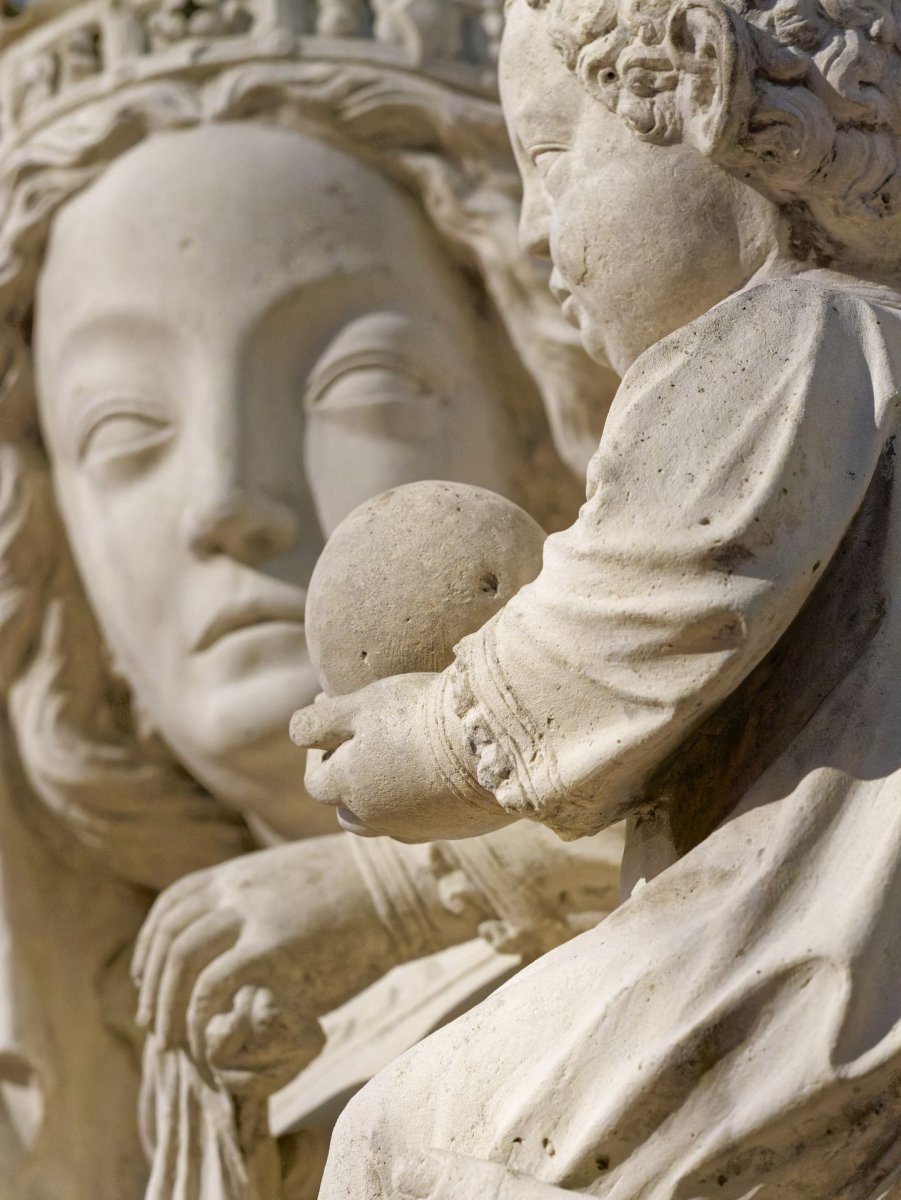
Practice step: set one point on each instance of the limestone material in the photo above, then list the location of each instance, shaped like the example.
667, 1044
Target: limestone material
409, 573
240, 292
710, 650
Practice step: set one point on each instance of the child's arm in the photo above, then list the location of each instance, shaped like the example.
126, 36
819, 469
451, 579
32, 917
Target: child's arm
735, 458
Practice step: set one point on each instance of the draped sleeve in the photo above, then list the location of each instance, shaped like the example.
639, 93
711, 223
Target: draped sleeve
736, 454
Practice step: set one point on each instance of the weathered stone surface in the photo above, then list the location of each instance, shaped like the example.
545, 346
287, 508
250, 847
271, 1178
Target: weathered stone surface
409, 573
708, 651
257, 264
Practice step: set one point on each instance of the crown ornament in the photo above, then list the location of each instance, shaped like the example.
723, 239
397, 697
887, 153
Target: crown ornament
57, 55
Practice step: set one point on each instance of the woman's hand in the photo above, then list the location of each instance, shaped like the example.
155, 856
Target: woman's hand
255, 950
382, 764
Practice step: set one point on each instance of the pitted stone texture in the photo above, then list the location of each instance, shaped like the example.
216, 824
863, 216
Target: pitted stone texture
409, 573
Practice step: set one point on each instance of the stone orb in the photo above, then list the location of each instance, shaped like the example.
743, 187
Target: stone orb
408, 574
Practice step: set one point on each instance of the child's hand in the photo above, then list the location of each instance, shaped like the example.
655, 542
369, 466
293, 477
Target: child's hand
380, 768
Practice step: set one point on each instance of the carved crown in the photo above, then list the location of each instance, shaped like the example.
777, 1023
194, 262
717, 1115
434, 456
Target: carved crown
57, 55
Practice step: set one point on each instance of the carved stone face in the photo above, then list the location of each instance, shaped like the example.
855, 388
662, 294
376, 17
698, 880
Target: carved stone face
644, 238
242, 333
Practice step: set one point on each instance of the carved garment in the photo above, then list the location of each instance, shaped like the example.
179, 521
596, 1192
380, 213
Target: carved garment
721, 629
69, 1054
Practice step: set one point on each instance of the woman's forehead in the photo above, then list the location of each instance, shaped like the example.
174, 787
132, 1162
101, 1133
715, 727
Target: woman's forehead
214, 177
222, 213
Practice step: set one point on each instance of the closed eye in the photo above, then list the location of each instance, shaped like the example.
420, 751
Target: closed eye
363, 381
118, 430
543, 155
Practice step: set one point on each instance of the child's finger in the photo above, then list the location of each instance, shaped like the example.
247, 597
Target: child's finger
324, 778
325, 725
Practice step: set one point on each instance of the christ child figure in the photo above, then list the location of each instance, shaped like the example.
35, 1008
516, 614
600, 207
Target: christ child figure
710, 651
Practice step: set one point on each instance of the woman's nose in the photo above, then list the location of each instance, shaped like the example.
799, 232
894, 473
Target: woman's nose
251, 529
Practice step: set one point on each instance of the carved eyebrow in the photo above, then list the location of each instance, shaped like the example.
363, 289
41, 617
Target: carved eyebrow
129, 324
533, 125
330, 284
114, 322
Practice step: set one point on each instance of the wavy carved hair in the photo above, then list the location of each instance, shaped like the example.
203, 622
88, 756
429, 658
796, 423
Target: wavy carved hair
81, 744
810, 111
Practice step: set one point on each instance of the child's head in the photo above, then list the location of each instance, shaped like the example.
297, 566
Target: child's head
670, 148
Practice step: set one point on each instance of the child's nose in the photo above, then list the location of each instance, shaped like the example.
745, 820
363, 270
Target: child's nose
534, 225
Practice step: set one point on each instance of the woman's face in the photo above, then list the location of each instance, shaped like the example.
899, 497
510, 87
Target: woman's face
241, 333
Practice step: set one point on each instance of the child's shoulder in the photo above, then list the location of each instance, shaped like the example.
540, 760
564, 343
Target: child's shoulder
800, 307
766, 325
787, 337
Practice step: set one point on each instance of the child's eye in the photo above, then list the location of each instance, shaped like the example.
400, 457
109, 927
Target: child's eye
544, 156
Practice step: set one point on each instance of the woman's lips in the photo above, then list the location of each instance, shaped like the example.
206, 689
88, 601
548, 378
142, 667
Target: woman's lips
249, 615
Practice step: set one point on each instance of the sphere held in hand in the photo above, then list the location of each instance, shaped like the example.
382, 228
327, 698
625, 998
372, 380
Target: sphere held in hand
408, 574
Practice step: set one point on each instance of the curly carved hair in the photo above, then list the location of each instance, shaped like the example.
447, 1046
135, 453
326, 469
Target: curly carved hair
811, 112
97, 773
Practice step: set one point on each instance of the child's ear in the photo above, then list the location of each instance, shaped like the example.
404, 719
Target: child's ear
705, 50
684, 78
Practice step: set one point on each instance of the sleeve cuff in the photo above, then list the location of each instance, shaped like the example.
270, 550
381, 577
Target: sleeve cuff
504, 747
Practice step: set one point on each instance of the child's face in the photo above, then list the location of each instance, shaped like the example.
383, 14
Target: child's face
643, 238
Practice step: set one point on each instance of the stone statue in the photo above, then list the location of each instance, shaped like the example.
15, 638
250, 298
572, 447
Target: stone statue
408, 574
710, 651
257, 263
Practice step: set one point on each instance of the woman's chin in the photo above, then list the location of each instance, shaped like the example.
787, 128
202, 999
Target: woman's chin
256, 707
260, 775
239, 729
